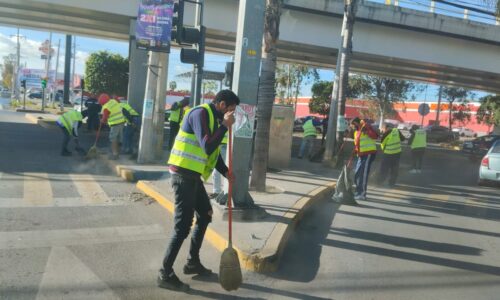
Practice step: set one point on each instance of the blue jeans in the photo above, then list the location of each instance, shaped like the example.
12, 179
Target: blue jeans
129, 133
217, 177
190, 198
307, 142
362, 172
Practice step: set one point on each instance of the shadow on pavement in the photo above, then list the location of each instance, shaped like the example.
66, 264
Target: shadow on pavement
407, 242
446, 262
399, 212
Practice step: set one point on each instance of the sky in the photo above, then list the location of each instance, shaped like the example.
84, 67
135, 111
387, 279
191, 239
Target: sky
32, 39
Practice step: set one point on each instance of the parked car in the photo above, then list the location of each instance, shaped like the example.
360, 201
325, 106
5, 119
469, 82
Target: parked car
464, 132
478, 147
35, 95
77, 103
489, 171
440, 134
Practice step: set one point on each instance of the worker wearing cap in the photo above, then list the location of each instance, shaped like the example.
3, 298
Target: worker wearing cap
418, 143
177, 112
365, 148
69, 122
193, 157
391, 147
131, 128
112, 115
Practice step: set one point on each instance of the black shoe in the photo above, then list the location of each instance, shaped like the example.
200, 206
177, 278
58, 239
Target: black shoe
213, 195
171, 282
196, 268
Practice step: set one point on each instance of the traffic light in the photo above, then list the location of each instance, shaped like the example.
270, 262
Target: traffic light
228, 74
196, 54
178, 22
44, 82
23, 83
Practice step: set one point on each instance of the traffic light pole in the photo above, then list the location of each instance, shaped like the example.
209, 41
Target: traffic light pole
197, 79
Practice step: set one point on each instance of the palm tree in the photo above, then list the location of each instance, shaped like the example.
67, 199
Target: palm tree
266, 93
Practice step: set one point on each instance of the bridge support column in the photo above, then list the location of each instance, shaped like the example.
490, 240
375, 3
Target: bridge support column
138, 60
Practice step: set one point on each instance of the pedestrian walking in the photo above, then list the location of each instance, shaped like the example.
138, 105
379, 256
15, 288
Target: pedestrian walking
130, 129
391, 147
194, 155
365, 148
308, 139
418, 143
176, 115
113, 116
217, 177
93, 109
69, 122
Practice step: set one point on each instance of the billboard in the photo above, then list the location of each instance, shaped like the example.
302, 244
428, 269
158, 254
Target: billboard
33, 77
154, 25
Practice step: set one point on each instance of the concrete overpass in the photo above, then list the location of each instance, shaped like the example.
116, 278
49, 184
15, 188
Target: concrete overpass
388, 40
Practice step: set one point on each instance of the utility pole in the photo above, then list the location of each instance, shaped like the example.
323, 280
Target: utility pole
47, 70
74, 59
57, 69
438, 111
15, 73
197, 79
67, 70
154, 104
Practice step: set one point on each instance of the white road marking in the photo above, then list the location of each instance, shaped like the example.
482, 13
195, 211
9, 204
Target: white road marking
37, 189
89, 189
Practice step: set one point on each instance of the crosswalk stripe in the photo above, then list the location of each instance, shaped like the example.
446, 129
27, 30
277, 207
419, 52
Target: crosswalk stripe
89, 189
37, 189
440, 197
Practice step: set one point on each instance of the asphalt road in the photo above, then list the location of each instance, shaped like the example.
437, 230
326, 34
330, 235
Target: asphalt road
69, 229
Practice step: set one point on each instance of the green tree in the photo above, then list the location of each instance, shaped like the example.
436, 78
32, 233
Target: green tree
266, 94
322, 93
289, 81
172, 85
383, 91
455, 95
210, 87
106, 73
7, 69
489, 111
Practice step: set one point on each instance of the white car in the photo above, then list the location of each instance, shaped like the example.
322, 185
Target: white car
405, 125
464, 132
490, 165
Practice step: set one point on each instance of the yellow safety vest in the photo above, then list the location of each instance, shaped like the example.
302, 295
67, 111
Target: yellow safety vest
420, 139
187, 153
68, 118
366, 143
130, 110
175, 115
392, 143
309, 129
115, 112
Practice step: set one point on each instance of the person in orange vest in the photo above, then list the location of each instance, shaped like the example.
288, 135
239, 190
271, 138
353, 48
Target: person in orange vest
365, 148
112, 115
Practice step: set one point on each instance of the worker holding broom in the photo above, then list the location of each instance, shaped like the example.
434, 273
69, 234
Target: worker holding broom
69, 122
112, 115
194, 155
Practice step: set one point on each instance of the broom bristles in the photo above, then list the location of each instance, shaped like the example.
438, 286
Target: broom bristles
92, 153
230, 276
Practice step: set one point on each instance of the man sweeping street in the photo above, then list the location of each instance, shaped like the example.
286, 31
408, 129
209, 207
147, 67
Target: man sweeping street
193, 156
366, 149
112, 115
69, 122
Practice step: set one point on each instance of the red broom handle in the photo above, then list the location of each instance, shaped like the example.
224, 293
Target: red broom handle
230, 188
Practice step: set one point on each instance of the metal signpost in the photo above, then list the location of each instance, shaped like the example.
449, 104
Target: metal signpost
423, 110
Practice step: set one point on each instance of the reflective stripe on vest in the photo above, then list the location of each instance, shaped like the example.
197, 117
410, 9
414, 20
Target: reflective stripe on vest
175, 115
420, 139
309, 129
366, 143
187, 153
130, 110
115, 112
392, 143
68, 118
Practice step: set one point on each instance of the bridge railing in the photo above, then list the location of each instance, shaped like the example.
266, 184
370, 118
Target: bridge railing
474, 10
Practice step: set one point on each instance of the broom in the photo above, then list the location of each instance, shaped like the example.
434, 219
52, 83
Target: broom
230, 276
92, 153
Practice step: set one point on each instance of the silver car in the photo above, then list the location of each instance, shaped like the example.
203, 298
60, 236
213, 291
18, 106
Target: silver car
490, 165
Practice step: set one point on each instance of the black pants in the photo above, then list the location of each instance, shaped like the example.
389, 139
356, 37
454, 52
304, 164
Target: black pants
190, 197
389, 168
66, 139
417, 156
93, 122
174, 129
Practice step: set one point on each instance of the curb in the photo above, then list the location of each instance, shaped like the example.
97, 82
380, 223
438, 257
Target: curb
268, 258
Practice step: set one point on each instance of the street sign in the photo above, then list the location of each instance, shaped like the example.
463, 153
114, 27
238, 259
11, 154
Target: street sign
424, 109
154, 25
